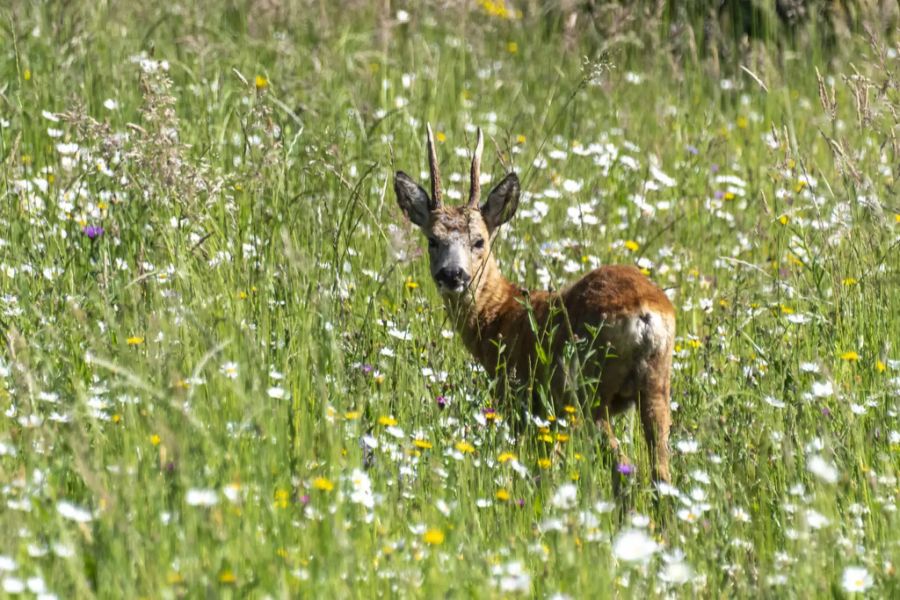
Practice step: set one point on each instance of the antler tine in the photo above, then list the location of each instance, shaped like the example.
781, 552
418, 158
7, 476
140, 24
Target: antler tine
475, 184
436, 192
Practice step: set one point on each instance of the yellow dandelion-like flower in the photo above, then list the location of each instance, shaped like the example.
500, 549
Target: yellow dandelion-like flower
512, 47
433, 537
387, 421
227, 576
545, 437
155, 439
544, 463
729, 196
742, 123
880, 366
261, 82
410, 284
174, 578
848, 281
26, 75
502, 495
570, 409
134, 340
786, 310
282, 498
441, 136
321, 483
505, 457
424, 444
850, 356
352, 415
520, 139
465, 447
632, 245
783, 219
562, 437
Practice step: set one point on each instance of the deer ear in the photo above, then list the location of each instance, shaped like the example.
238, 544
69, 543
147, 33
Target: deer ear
413, 200
502, 202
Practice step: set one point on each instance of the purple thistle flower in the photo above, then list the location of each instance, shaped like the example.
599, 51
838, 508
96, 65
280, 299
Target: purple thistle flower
92, 231
441, 402
826, 412
367, 368
719, 194
625, 469
714, 168
693, 150
520, 502
304, 499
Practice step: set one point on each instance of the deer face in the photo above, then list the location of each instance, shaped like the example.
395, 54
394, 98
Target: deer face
458, 237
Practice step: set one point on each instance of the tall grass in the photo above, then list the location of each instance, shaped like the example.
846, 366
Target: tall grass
245, 385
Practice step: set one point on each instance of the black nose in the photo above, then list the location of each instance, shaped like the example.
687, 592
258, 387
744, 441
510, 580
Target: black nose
452, 277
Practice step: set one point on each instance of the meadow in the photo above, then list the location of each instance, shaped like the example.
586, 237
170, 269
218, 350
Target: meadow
225, 371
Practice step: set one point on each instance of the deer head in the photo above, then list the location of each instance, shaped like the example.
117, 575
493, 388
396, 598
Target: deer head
459, 237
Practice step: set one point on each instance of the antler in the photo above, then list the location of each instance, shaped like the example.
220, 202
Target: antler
436, 192
475, 184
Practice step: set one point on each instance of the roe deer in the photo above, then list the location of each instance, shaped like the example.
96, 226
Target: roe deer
508, 328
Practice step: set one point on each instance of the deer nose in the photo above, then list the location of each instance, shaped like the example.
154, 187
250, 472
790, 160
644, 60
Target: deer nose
452, 277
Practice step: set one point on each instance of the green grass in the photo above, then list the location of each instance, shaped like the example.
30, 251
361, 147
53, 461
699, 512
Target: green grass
250, 228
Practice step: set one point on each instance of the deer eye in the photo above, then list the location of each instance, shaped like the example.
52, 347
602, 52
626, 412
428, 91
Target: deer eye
478, 244
432, 243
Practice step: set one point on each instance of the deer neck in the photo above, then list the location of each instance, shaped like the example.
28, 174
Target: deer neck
480, 313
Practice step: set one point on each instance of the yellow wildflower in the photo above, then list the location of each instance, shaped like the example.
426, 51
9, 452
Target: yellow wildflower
387, 421
433, 537
505, 457
512, 47
850, 356
502, 495
632, 245
352, 415
321, 483
227, 576
261, 82
134, 340
282, 498
544, 463
880, 366
465, 447
155, 439
424, 444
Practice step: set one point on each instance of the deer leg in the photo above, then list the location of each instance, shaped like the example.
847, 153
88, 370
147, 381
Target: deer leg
656, 420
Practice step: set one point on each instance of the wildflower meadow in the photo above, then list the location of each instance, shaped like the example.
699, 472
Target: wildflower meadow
225, 370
